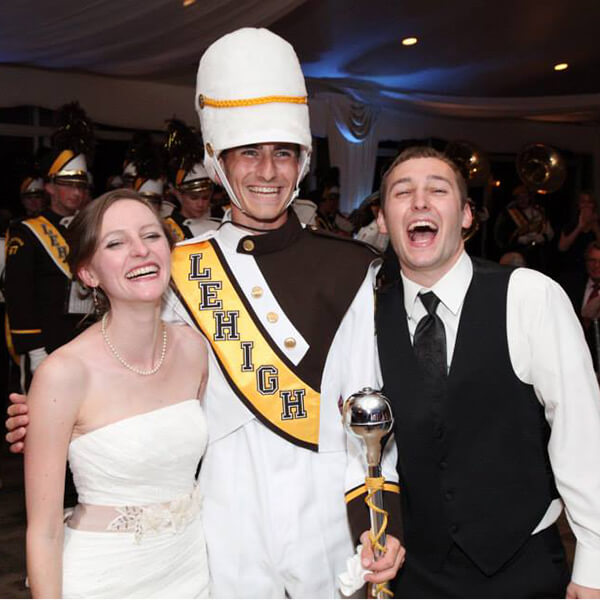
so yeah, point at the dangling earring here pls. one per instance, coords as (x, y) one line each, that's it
(96, 300)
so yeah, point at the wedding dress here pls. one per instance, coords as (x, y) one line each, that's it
(138, 529)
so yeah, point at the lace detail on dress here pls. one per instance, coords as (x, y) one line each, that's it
(157, 518)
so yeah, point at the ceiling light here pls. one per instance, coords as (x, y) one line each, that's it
(409, 41)
(188, 2)
(561, 67)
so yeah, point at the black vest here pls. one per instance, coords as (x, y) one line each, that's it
(473, 459)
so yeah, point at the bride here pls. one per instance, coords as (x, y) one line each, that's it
(121, 403)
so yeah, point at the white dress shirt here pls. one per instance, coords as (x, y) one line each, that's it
(548, 351)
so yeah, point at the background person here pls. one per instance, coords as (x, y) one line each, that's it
(43, 305)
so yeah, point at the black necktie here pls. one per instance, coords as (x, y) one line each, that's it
(430, 340)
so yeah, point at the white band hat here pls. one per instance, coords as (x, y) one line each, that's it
(250, 90)
(195, 179)
(32, 186)
(152, 189)
(69, 167)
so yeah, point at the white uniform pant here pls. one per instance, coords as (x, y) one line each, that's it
(274, 517)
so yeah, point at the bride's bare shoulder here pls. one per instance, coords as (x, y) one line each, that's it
(70, 365)
(189, 339)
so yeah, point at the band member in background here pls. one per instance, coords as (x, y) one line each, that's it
(523, 227)
(190, 183)
(43, 304)
(33, 196)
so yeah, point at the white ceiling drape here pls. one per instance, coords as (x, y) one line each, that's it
(127, 39)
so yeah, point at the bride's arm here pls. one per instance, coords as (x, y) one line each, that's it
(53, 399)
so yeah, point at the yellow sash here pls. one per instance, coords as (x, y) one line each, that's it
(259, 373)
(52, 240)
(175, 230)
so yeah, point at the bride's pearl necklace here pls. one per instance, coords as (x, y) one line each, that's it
(158, 365)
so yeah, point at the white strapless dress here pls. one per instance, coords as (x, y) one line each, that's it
(152, 544)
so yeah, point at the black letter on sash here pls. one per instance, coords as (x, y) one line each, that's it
(247, 355)
(195, 272)
(267, 380)
(289, 405)
(226, 325)
(208, 294)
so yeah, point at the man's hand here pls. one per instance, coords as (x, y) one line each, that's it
(17, 422)
(386, 567)
(575, 590)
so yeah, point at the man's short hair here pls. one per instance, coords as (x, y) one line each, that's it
(595, 245)
(424, 152)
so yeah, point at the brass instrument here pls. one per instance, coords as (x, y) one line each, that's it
(474, 165)
(541, 168)
(471, 160)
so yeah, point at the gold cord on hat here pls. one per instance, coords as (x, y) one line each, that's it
(204, 101)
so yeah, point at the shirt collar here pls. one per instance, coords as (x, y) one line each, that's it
(451, 289)
(57, 219)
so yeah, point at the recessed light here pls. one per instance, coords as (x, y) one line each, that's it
(409, 41)
(188, 2)
(561, 67)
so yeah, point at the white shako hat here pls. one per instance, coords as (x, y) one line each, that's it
(129, 171)
(195, 179)
(68, 167)
(250, 90)
(32, 186)
(152, 189)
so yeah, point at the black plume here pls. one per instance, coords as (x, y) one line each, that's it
(146, 156)
(74, 130)
(183, 147)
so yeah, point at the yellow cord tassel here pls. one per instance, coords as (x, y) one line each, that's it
(374, 485)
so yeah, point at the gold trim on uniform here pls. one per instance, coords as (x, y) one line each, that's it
(26, 331)
(266, 383)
